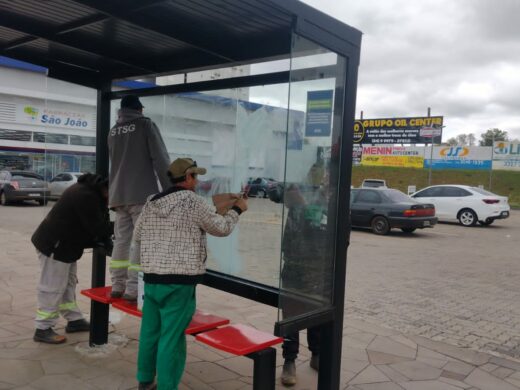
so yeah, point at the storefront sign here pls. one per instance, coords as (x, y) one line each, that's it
(71, 119)
(416, 130)
(318, 120)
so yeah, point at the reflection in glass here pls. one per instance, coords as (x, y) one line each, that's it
(239, 136)
(310, 186)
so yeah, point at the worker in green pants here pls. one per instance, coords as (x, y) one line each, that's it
(167, 312)
(169, 242)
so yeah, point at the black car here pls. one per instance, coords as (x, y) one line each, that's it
(382, 209)
(16, 186)
(259, 186)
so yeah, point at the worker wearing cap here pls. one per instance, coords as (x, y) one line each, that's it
(170, 244)
(138, 160)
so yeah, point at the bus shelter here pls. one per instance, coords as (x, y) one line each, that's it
(275, 118)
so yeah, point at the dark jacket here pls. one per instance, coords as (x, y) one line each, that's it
(79, 220)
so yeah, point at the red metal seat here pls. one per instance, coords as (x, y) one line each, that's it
(100, 294)
(128, 307)
(238, 339)
(200, 321)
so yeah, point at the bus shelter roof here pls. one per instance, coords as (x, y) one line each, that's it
(92, 42)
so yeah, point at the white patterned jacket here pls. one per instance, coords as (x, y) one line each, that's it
(170, 236)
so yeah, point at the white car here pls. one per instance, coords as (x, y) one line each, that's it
(466, 204)
(61, 182)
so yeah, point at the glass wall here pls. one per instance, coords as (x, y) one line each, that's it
(311, 177)
(239, 136)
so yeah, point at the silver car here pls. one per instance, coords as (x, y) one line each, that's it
(17, 186)
(61, 182)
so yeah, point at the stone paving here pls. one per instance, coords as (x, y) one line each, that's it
(452, 284)
(374, 355)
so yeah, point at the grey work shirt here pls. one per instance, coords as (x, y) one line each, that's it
(138, 157)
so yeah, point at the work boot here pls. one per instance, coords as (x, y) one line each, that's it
(48, 336)
(81, 325)
(315, 362)
(116, 293)
(289, 373)
(147, 386)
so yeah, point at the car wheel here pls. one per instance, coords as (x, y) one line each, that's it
(380, 225)
(3, 199)
(408, 230)
(467, 217)
(487, 222)
(43, 202)
(261, 194)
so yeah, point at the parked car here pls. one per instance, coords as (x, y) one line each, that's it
(465, 204)
(382, 209)
(373, 183)
(17, 186)
(259, 186)
(61, 182)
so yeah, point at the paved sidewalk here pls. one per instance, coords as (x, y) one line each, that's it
(374, 358)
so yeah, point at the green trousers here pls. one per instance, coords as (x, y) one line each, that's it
(167, 312)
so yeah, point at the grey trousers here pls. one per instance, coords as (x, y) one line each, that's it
(56, 292)
(122, 272)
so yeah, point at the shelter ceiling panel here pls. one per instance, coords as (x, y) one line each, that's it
(53, 12)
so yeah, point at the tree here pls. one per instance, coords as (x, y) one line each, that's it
(472, 140)
(491, 135)
(462, 140)
(452, 141)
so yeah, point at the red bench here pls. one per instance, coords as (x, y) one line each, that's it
(200, 321)
(239, 339)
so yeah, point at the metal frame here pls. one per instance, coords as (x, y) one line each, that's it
(330, 319)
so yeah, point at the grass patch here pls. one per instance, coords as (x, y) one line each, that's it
(506, 183)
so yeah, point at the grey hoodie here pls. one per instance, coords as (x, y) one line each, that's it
(138, 157)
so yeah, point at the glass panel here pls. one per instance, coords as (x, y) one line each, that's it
(239, 136)
(312, 171)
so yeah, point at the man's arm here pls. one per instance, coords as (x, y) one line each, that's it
(159, 155)
(216, 224)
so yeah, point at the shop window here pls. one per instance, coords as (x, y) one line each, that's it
(15, 135)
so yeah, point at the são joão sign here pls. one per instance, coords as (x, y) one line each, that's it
(415, 130)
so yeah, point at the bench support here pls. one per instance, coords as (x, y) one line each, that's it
(98, 323)
(98, 311)
(264, 372)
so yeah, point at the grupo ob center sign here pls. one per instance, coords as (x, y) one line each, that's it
(413, 130)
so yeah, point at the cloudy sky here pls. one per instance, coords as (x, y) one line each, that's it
(461, 58)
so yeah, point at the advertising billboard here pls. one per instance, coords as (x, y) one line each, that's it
(459, 157)
(506, 155)
(414, 130)
(319, 113)
(392, 156)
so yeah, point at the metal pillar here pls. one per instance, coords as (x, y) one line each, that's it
(264, 371)
(99, 311)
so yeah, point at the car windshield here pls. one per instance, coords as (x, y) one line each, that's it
(398, 196)
(26, 175)
(373, 184)
(482, 191)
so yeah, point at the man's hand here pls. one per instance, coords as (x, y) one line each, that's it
(242, 204)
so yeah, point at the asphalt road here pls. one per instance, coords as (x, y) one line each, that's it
(450, 283)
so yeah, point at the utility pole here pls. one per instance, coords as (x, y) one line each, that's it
(431, 154)
(492, 156)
